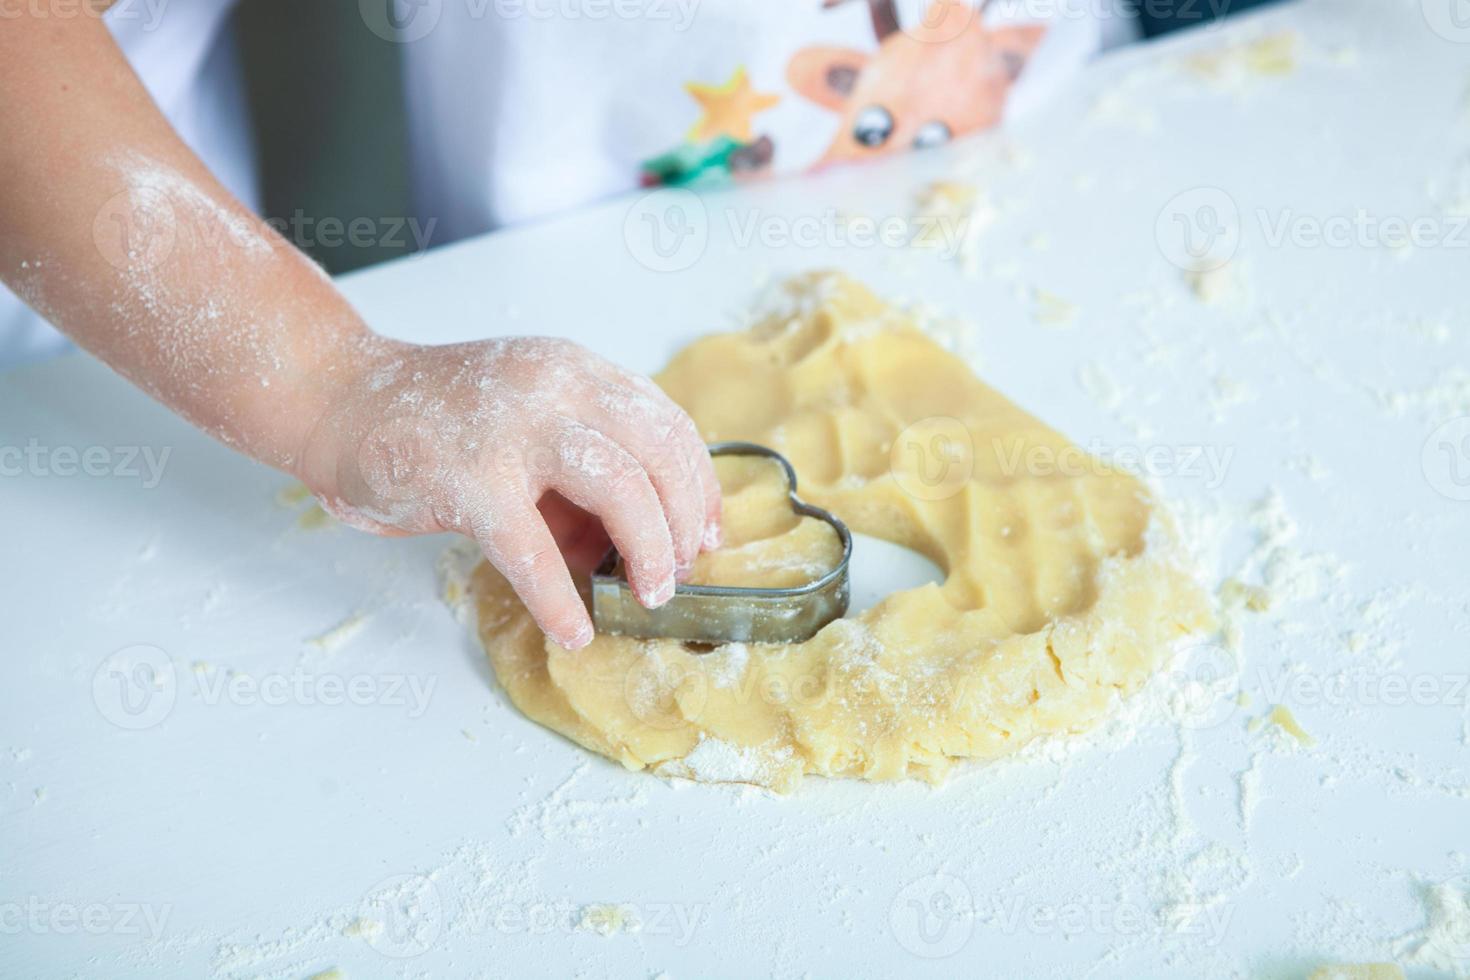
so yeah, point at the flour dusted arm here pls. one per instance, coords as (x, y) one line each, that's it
(116, 233)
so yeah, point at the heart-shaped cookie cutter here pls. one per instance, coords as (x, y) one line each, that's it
(717, 614)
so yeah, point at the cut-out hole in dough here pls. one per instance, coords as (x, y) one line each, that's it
(880, 568)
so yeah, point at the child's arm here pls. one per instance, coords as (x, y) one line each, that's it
(116, 233)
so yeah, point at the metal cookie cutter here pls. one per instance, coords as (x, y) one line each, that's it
(718, 614)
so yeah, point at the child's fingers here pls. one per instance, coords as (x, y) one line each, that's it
(604, 479)
(706, 490)
(713, 512)
(518, 543)
(714, 506)
(578, 534)
(663, 440)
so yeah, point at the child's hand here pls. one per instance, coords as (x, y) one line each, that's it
(528, 446)
(472, 437)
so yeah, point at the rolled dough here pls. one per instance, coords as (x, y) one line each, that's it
(1064, 588)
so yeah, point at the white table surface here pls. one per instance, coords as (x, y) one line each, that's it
(219, 833)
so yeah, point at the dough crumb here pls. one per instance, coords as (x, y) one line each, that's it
(1358, 971)
(1050, 310)
(292, 495)
(340, 635)
(1235, 594)
(1282, 718)
(315, 518)
(609, 919)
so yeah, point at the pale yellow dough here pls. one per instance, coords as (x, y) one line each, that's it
(1065, 587)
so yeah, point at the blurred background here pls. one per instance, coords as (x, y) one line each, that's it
(326, 102)
(328, 112)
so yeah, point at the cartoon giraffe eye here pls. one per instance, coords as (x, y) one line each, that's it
(873, 126)
(931, 134)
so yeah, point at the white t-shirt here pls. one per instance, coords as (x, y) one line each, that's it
(522, 108)
(187, 62)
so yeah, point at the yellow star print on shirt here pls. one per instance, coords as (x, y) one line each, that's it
(728, 108)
